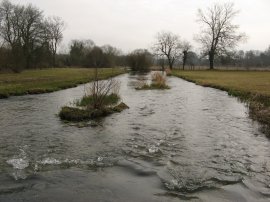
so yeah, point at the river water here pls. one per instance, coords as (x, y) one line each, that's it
(187, 143)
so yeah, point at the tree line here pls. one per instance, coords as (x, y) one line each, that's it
(245, 59)
(86, 53)
(29, 39)
(238, 59)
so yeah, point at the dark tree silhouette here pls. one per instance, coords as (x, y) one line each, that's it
(219, 34)
(185, 47)
(169, 45)
(140, 60)
(54, 27)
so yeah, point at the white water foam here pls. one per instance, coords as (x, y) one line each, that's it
(50, 161)
(19, 163)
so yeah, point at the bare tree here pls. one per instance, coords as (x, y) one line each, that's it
(10, 16)
(218, 34)
(169, 45)
(55, 27)
(31, 30)
(8, 26)
(186, 46)
(29, 38)
(22, 29)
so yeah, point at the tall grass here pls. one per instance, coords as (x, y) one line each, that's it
(158, 81)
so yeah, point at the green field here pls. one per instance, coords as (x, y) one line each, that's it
(256, 82)
(250, 86)
(49, 80)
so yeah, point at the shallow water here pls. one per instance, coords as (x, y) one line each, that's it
(187, 143)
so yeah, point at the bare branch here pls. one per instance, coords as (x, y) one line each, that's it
(218, 34)
(169, 45)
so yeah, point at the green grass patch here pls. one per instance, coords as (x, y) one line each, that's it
(256, 82)
(49, 80)
(111, 99)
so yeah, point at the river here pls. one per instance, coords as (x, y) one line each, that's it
(189, 143)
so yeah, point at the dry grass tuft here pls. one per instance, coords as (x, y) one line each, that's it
(158, 82)
(168, 72)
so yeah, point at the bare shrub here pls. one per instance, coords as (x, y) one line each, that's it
(158, 78)
(101, 90)
(168, 72)
(141, 84)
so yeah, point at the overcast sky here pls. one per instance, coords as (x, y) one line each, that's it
(131, 24)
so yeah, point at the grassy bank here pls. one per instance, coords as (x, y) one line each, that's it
(49, 80)
(250, 86)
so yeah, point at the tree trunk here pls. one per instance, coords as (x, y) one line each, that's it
(54, 54)
(170, 61)
(54, 63)
(163, 65)
(184, 59)
(170, 65)
(54, 59)
(211, 59)
(184, 63)
(28, 61)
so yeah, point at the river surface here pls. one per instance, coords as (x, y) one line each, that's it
(189, 143)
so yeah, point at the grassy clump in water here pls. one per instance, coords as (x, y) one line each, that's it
(153, 86)
(158, 82)
(74, 114)
(77, 114)
(88, 100)
(119, 108)
(100, 100)
(168, 72)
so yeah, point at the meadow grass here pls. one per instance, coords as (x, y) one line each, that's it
(49, 80)
(256, 82)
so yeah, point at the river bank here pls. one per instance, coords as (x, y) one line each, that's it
(252, 87)
(49, 80)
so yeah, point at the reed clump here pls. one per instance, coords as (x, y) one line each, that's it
(158, 82)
